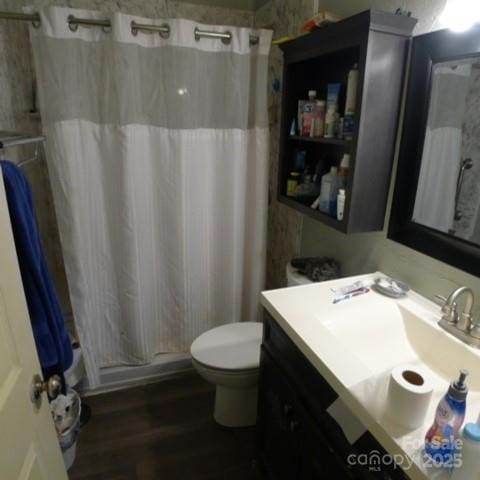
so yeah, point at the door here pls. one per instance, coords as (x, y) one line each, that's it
(29, 448)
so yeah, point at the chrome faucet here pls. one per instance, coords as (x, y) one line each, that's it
(461, 326)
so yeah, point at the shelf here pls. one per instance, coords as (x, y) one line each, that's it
(11, 139)
(316, 214)
(328, 141)
(378, 43)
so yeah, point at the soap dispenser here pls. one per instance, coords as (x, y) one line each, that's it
(449, 417)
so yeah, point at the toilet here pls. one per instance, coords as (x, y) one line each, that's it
(294, 277)
(229, 357)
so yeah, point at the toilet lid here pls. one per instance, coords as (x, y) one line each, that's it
(235, 346)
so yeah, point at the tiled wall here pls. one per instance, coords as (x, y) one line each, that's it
(16, 80)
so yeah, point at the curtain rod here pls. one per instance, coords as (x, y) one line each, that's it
(163, 30)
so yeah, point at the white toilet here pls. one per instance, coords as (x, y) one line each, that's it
(294, 278)
(229, 357)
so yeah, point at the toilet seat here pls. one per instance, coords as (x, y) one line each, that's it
(232, 347)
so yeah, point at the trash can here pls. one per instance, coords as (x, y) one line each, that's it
(66, 410)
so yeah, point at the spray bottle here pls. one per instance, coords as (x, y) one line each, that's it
(449, 417)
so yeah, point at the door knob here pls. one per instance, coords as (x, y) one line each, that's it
(53, 387)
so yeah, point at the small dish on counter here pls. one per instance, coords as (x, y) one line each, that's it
(390, 287)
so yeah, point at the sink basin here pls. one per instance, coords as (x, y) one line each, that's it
(356, 343)
(382, 334)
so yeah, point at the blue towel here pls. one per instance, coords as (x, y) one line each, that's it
(51, 338)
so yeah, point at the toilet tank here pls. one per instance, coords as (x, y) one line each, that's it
(294, 278)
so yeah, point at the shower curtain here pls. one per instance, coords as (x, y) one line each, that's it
(437, 183)
(157, 151)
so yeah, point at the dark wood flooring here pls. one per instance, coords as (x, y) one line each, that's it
(162, 431)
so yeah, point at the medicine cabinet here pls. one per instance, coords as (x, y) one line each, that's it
(378, 43)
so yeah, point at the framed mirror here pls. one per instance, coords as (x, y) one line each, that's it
(436, 204)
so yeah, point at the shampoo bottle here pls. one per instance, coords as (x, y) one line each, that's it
(328, 192)
(449, 417)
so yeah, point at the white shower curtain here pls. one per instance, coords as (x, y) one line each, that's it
(157, 151)
(442, 150)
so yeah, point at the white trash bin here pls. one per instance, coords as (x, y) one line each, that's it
(66, 410)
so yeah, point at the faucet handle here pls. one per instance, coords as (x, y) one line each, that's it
(449, 310)
(475, 330)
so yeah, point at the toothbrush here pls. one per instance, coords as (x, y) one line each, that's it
(353, 293)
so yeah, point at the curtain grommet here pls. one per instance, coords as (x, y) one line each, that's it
(72, 26)
(133, 28)
(166, 33)
(227, 40)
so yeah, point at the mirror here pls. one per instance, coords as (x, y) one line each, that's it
(436, 203)
(448, 191)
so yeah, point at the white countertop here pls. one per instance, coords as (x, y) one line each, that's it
(300, 310)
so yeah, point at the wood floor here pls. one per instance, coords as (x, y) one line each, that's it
(162, 431)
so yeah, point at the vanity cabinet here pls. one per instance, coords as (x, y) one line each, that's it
(378, 43)
(296, 437)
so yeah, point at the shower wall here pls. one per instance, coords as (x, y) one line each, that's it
(16, 98)
(16, 102)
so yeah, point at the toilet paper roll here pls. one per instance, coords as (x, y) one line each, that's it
(409, 395)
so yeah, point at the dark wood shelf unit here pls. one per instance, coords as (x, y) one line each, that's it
(305, 208)
(378, 42)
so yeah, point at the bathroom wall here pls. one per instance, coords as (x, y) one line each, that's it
(16, 79)
(285, 17)
(361, 253)
(285, 226)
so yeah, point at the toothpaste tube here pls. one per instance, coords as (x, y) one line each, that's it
(354, 293)
(348, 288)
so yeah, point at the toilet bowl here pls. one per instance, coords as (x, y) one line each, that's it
(229, 357)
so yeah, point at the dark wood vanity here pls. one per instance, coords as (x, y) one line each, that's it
(297, 439)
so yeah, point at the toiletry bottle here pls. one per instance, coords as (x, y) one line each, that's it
(299, 160)
(333, 92)
(292, 184)
(348, 127)
(331, 121)
(308, 114)
(319, 129)
(293, 128)
(328, 192)
(343, 170)
(469, 466)
(340, 203)
(449, 417)
(301, 103)
(351, 91)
